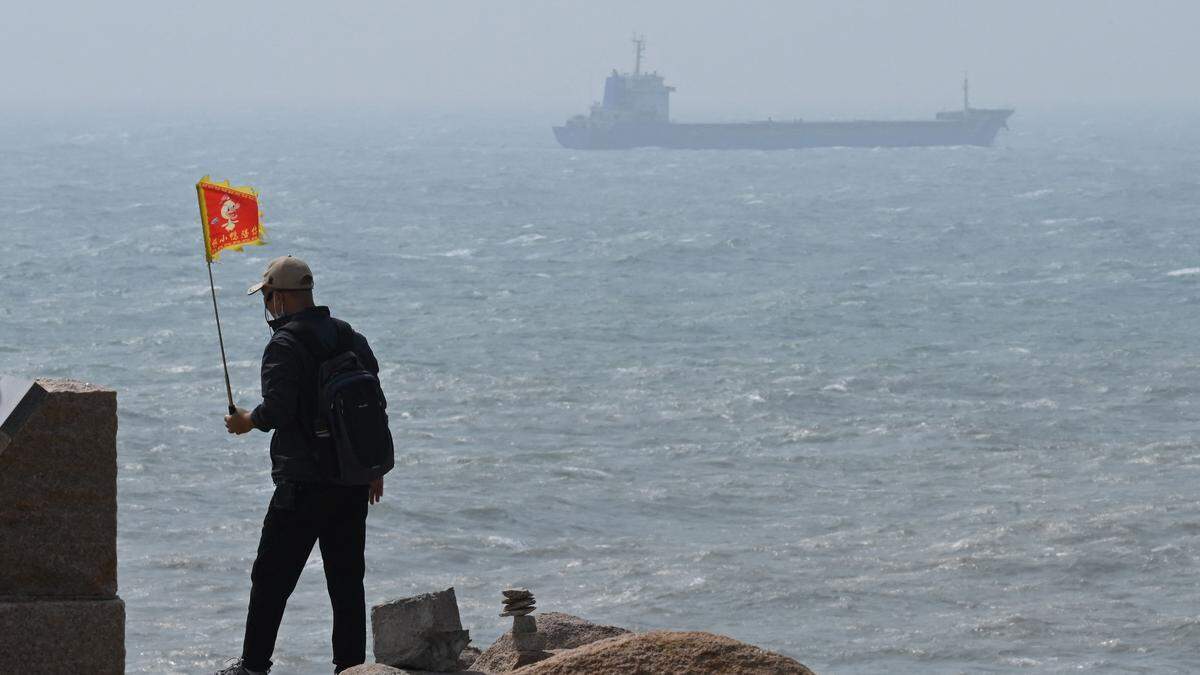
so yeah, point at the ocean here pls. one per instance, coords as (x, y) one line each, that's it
(899, 410)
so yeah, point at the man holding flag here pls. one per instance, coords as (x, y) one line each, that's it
(317, 498)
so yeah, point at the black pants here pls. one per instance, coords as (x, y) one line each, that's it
(299, 516)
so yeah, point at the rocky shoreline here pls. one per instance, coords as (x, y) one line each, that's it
(423, 635)
(58, 459)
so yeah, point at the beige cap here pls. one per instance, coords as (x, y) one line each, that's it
(285, 273)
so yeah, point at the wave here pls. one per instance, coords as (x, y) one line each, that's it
(1035, 194)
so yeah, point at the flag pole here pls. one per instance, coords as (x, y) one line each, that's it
(220, 338)
(212, 287)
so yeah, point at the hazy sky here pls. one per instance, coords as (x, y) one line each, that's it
(750, 58)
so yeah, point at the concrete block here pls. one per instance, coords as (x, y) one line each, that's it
(58, 491)
(18, 398)
(423, 632)
(62, 637)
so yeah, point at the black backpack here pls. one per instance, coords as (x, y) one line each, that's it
(350, 421)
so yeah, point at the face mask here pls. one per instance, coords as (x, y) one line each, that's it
(269, 313)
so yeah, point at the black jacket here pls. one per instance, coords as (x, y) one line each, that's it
(289, 390)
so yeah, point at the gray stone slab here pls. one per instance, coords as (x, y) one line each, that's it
(58, 495)
(520, 604)
(423, 632)
(62, 637)
(524, 624)
(528, 642)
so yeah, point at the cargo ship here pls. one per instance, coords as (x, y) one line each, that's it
(635, 112)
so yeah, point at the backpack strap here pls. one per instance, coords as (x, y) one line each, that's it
(345, 337)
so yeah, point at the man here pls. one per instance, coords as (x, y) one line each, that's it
(306, 507)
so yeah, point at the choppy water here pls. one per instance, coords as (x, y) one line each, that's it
(909, 410)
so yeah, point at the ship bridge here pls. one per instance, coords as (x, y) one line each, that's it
(636, 96)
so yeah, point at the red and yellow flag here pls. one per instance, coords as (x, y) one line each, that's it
(231, 217)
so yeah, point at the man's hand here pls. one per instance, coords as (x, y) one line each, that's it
(239, 422)
(375, 493)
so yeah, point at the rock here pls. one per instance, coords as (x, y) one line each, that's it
(524, 624)
(519, 604)
(528, 658)
(381, 669)
(468, 656)
(64, 637)
(558, 631)
(58, 491)
(668, 652)
(514, 593)
(373, 669)
(422, 633)
(528, 642)
(518, 612)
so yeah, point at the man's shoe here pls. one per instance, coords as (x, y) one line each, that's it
(235, 667)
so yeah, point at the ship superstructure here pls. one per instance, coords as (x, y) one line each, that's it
(636, 112)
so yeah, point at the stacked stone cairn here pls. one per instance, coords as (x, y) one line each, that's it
(519, 603)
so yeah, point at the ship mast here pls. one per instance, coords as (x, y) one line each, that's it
(639, 43)
(966, 93)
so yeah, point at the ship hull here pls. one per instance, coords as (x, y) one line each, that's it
(976, 129)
